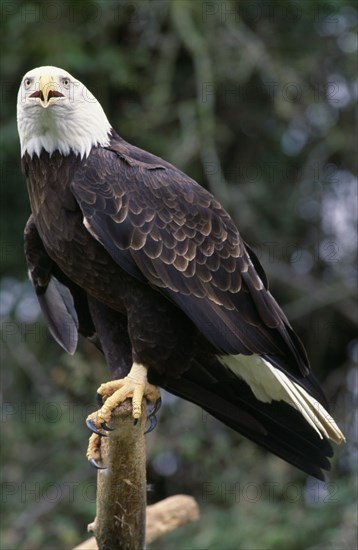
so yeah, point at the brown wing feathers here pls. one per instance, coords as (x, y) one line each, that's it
(160, 225)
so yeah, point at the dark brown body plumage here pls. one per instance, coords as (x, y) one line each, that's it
(156, 327)
(153, 269)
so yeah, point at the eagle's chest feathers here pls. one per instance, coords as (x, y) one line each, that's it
(59, 222)
(54, 208)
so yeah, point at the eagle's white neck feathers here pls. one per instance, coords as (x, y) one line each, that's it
(74, 122)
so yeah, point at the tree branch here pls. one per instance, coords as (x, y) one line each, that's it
(195, 43)
(121, 492)
(122, 487)
(162, 517)
(169, 514)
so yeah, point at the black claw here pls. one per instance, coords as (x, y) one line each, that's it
(96, 465)
(93, 428)
(156, 407)
(152, 418)
(99, 400)
(105, 427)
(135, 421)
(152, 423)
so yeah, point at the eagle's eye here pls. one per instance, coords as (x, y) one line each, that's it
(66, 82)
(27, 83)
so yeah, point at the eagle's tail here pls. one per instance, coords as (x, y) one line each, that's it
(268, 384)
(257, 400)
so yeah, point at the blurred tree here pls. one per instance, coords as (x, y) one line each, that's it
(255, 100)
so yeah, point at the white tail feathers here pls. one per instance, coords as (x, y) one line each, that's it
(270, 384)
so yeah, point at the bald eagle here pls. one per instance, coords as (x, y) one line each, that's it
(127, 250)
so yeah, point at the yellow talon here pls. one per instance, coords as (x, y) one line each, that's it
(135, 385)
(94, 448)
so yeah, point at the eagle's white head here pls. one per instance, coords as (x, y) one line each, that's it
(57, 112)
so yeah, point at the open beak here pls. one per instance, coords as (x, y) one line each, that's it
(47, 92)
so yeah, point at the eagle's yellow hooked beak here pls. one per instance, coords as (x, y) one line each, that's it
(48, 91)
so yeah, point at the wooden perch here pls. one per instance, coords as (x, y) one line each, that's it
(122, 487)
(162, 517)
(168, 514)
(121, 521)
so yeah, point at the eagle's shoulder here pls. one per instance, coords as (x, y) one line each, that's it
(135, 156)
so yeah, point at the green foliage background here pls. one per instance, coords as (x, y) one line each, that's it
(255, 100)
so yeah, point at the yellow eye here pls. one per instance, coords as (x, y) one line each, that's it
(27, 82)
(66, 82)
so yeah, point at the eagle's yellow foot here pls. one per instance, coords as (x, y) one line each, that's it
(135, 385)
(94, 451)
